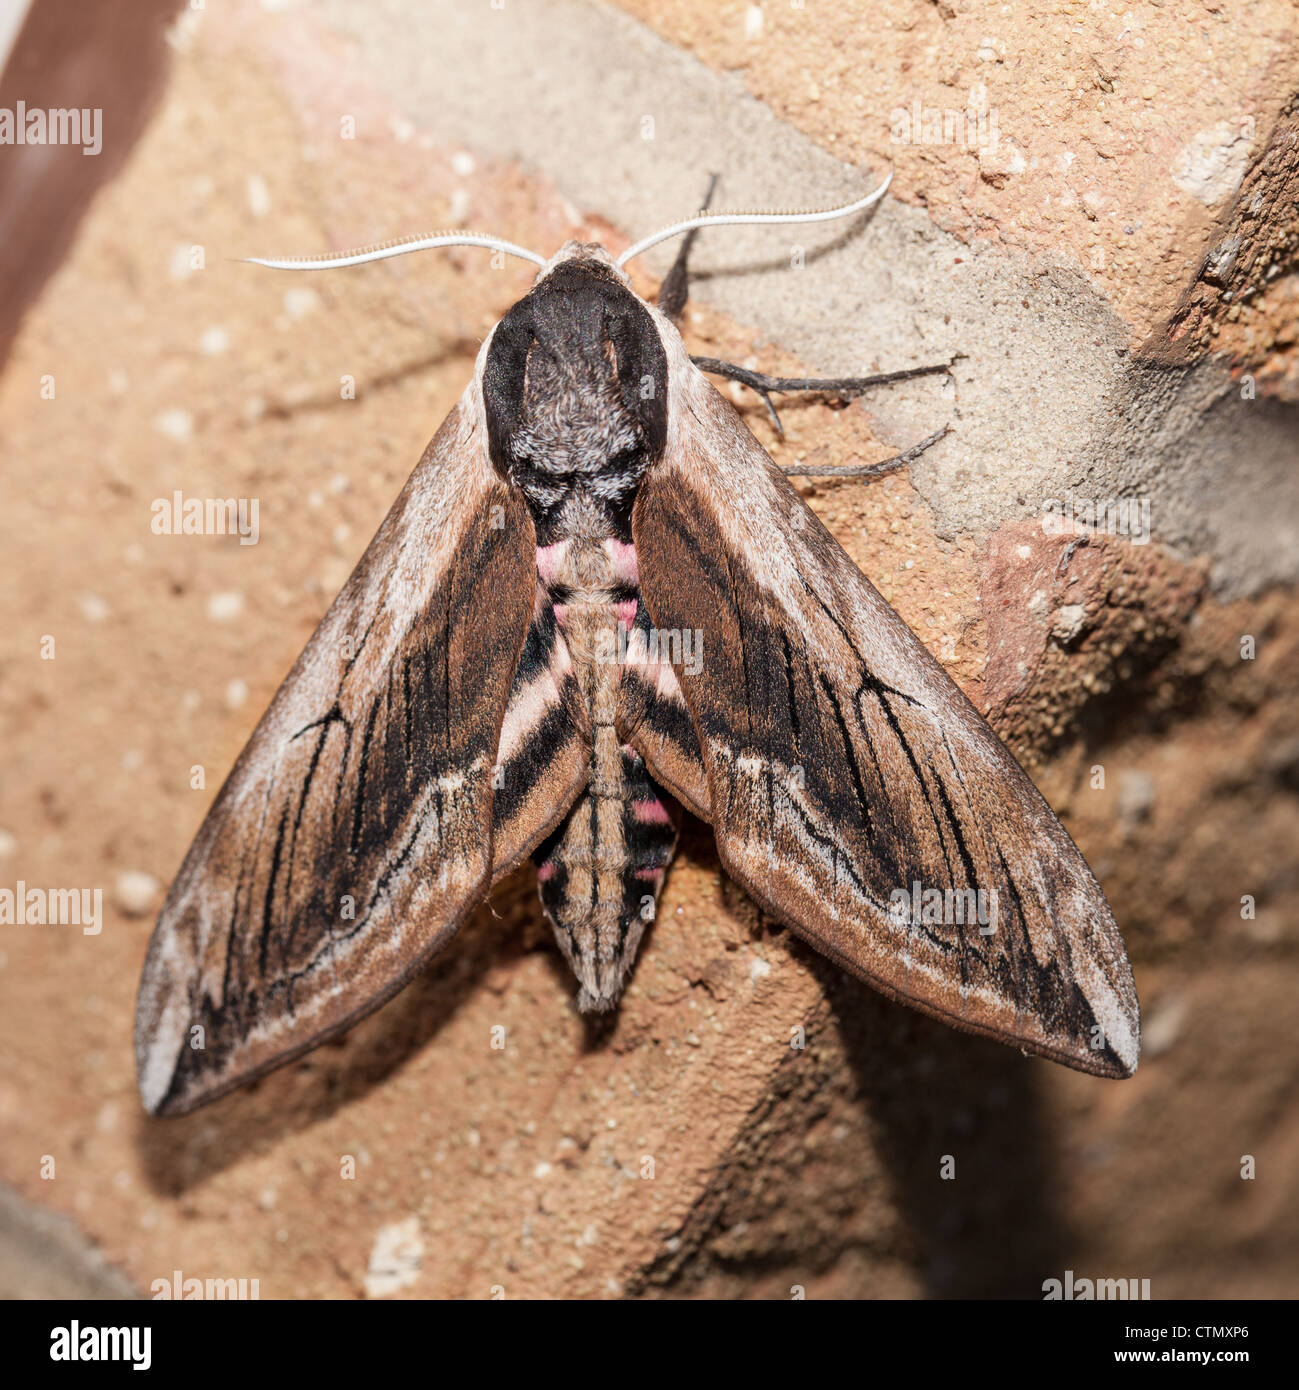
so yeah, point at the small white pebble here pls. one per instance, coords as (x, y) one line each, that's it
(214, 341)
(259, 197)
(395, 1259)
(222, 607)
(8, 844)
(181, 32)
(1162, 1026)
(1136, 795)
(93, 608)
(135, 891)
(300, 302)
(175, 424)
(236, 694)
(180, 265)
(463, 164)
(1069, 621)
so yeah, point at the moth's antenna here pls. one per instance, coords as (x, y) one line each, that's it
(724, 219)
(330, 260)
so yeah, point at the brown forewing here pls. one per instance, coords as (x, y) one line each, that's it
(654, 718)
(354, 832)
(544, 759)
(844, 765)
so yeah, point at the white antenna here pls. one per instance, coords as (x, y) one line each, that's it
(724, 219)
(330, 260)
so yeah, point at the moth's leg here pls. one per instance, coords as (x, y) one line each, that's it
(866, 470)
(676, 286)
(838, 385)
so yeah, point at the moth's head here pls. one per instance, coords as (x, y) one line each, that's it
(575, 377)
(575, 386)
(588, 253)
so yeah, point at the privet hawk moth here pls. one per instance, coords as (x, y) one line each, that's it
(595, 601)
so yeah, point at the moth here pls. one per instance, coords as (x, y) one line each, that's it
(596, 601)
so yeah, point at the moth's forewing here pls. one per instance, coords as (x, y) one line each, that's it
(355, 831)
(847, 774)
(653, 716)
(544, 759)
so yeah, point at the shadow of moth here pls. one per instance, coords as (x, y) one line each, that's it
(595, 601)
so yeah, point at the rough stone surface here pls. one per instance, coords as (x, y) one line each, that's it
(687, 1149)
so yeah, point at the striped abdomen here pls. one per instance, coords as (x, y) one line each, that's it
(601, 870)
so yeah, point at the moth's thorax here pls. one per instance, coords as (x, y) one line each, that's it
(574, 388)
(593, 584)
(576, 454)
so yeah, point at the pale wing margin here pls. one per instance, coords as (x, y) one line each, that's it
(355, 831)
(844, 764)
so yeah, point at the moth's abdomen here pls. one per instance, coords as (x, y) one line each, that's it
(601, 870)
(600, 874)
